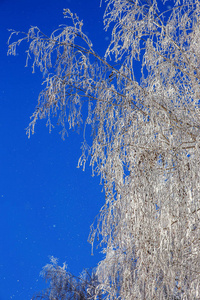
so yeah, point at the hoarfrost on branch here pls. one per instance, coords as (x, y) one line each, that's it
(145, 138)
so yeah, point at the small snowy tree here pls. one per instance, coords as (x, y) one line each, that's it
(146, 140)
(63, 285)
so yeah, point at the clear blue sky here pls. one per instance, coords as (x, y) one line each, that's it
(46, 203)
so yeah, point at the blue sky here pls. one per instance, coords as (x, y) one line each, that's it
(46, 204)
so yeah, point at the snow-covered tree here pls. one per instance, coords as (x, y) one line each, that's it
(145, 128)
(64, 286)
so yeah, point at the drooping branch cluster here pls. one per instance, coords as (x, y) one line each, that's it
(145, 138)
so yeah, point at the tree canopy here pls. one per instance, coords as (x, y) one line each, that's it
(63, 285)
(145, 137)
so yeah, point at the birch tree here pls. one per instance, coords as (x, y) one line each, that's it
(63, 285)
(145, 137)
